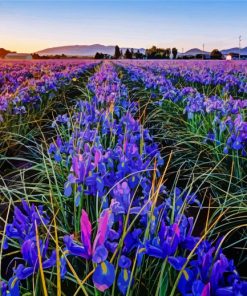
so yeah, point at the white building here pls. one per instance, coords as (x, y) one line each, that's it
(228, 57)
(18, 56)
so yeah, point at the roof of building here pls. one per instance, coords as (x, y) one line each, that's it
(18, 54)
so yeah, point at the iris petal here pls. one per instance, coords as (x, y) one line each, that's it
(104, 276)
(86, 230)
(124, 280)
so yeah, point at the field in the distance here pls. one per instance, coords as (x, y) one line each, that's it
(123, 177)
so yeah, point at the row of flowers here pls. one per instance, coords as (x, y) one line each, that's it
(228, 77)
(28, 84)
(114, 178)
(229, 114)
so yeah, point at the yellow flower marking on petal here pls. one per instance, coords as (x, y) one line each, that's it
(13, 283)
(126, 276)
(111, 109)
(104, 267)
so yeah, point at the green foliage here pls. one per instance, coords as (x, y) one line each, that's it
(158, 53)
(174, 53)
(216, 54)
(117, 53)
(128, 54)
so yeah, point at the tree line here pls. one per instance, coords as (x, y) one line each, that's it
(156, 53)
(151, 53)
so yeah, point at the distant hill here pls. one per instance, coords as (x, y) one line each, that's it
(193, 52)
(4, 52)
(243, 51)
(90, 51)
(83, 50)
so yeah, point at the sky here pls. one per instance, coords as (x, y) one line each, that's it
(29, 26)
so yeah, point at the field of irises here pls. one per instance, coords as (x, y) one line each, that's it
(123, 178)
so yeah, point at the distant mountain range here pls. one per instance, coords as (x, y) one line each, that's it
(243, 51)
(196, 51)
(83, 50)
(90, 50)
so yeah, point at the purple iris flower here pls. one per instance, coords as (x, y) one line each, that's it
(30, 255)
(124, 277)
(23, 229)
(121, 193)
(104, 273)
(13, 287)
(23, 225)
(167, 242)
(132, 240)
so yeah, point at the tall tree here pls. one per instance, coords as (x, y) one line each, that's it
(139, 55)
(174, 53)
(132, 53)
(117, 54)
(216, 54)
(128, 54)
(151, 52)
(99, 55)
(167, 53)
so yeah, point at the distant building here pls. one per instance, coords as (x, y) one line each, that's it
(228, 57)
(18, 56)
(235, 56)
